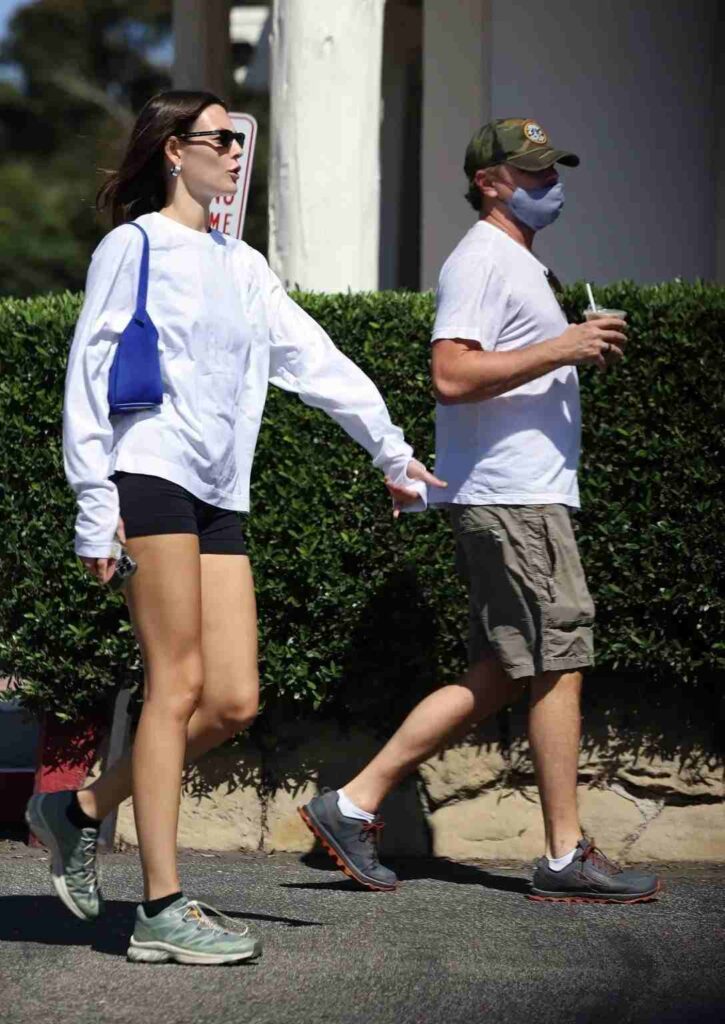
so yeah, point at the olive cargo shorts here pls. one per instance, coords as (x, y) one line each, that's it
(528, 598)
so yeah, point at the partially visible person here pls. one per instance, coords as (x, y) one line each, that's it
(507, 441)
(171, 481)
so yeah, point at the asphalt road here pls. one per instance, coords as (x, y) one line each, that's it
(457, 944)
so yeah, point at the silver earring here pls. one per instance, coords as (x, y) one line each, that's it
(176, 170)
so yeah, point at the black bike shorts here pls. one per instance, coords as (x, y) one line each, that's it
(151, 505)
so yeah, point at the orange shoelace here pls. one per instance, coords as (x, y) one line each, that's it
(600, 860)
(371, 829)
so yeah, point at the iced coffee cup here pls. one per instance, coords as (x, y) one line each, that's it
(597, 314)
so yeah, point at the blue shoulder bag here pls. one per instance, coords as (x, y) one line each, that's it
(134, 381)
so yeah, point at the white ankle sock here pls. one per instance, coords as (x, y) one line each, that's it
(559, 863)
(351, 810)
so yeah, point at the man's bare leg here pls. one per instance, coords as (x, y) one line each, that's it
(589, 876)
(482, 690)
(345, 824)
(554, 736)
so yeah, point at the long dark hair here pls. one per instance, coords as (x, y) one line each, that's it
(139, 185)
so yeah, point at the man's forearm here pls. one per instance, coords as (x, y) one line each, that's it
(475, 376)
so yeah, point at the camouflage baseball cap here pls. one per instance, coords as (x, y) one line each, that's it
(518, 141)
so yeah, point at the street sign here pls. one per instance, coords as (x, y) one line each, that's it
(226, 213)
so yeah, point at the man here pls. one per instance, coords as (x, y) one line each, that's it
(507, 442)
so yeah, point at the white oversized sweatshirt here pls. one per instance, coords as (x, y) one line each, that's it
(226, 328)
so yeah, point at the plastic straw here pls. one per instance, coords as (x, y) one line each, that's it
(590, 293)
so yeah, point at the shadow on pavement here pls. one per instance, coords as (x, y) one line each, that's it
(346, 886)
(291, 922)
(16, 832)
(44, 919)
(438, 869)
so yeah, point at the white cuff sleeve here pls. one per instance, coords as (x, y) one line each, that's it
(398, 475)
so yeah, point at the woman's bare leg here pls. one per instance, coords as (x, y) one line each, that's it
(230, 693)
(164, 599)
(229, 645)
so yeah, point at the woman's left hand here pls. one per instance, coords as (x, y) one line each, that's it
(403, 496)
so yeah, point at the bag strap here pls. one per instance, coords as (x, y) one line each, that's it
(143, 279)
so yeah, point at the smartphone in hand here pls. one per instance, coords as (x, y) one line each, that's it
(125, 568)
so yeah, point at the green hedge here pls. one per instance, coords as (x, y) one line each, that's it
(356, 612)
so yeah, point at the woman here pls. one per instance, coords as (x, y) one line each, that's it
(176, 477)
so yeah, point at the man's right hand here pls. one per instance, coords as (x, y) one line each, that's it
(598, 341)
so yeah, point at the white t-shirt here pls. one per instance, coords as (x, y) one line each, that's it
(522, 447)
(226, 330)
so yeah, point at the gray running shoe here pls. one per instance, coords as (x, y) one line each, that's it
(592, 878)
(351, 843)
(73, 868)
(183, 933)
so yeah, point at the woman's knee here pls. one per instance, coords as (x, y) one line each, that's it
(176, 689)
(235, 714)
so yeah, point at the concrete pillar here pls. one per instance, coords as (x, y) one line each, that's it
(456, 101)
(718, 120)
(202, 49)
(324, 187)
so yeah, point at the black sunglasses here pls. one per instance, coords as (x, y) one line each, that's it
(225, 137)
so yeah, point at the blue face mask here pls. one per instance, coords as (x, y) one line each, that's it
(537, 207)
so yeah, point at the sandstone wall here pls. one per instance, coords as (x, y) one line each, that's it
(641, 800)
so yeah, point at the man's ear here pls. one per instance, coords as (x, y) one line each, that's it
(485, 183)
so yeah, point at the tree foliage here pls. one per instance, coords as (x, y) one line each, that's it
(77, 73)
(81, 68)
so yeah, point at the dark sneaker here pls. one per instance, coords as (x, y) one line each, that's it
(351, 843)
(183, 933)
(592, 878)
(73, 869)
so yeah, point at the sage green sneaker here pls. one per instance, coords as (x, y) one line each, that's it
(183, 933)
(73, 868)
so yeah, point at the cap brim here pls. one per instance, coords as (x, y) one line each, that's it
(540, 159)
